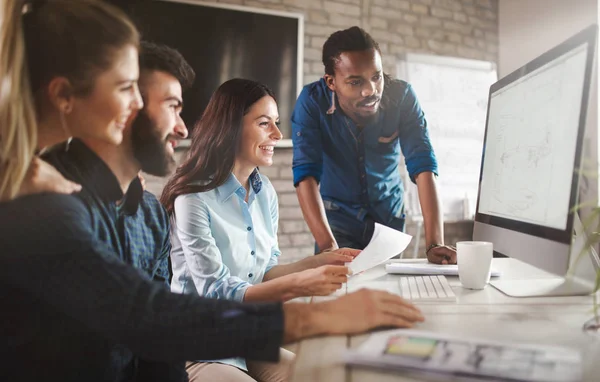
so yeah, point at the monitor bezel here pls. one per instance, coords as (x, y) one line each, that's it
(587, 36)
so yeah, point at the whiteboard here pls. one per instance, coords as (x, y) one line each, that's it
(453, 93)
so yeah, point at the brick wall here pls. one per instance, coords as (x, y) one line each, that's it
(460, 28)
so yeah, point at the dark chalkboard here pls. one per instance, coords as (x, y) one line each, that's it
(222, 42)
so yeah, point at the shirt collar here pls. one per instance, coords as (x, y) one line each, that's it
(99, 178)
(232, 185)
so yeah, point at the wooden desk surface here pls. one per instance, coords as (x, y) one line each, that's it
(485, 314)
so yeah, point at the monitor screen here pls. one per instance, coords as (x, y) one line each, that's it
(530, 180)
(531, 140)
(222, 42)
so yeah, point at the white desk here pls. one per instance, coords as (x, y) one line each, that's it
(486, 314)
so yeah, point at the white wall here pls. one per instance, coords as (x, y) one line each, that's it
(527, 28)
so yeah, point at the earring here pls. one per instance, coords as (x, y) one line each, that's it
(63, 123)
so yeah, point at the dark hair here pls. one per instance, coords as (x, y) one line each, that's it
(348, 40)
(215, 140)
(166, 59)
(74, 39)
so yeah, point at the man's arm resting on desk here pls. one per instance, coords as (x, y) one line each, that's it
(433, 221)
(350, 314)
(114, 299)
(314, 213)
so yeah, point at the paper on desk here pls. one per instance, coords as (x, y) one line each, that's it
(385, 244)
(425, 268)
(468, 357)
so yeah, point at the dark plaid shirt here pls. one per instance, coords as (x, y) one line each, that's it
(134, 225)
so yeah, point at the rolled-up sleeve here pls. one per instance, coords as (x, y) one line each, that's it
(414, 137)
(212, 278)
(306, 138)
(274, 209)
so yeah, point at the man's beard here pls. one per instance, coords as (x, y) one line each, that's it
(149, 147)
(369, 118)
(365, 120)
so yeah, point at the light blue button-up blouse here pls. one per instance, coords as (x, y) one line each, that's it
(221, 245)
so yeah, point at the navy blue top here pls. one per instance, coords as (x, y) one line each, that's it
(67, 299)
(358, 168)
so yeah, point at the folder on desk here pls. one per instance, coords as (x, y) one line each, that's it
(427, 269)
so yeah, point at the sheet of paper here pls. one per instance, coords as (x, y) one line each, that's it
(427, 269)
(385, 244)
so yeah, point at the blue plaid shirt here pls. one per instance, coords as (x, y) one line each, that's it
(358, 168)
(135, 226)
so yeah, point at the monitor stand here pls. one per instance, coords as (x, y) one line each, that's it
(559, 286)
(579, 280)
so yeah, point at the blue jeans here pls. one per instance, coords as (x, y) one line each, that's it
(351, 232)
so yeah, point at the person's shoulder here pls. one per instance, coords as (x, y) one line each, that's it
(398, 92)
(44, 218)
(46, 205)
(194, 199)
(150, 200)
(313, 102)
(58, 157)
(56, 153)
(316, 92)
(396, 88)
(151, 203)
(316, 88)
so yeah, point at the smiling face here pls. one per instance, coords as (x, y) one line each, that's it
(102, 114)
(158, 127)
(358, 84)
(260, 134)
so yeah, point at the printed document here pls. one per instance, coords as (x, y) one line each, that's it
(440, 353)
(385, 244)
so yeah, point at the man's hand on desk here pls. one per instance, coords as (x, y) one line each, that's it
(368, 309)
(338, 256)
(353, 313)
(442, 254)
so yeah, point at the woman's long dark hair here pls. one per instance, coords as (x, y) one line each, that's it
(215, 140)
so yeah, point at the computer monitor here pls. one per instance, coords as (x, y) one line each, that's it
(530, 169)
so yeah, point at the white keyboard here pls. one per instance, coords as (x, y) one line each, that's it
(433, 288)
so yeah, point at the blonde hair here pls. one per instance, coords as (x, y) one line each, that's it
(74, 39)
(18, 127)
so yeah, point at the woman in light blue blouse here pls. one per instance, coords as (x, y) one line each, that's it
(225, 213)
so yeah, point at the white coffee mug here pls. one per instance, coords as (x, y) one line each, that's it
(474, 259)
